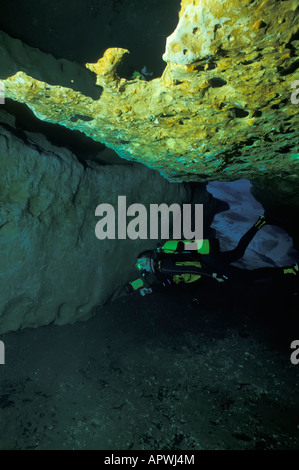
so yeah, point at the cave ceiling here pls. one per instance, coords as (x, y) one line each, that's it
(222, 108)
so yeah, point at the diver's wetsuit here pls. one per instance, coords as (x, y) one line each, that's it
(219, 263)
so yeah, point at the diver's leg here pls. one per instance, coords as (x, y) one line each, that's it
(234, 273)
(238, 252)
(213, 266)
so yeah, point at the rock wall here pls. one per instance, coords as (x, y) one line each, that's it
(53, 268)
(280, 200)
(15, 56)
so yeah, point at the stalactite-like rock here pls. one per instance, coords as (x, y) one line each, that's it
(106, 68)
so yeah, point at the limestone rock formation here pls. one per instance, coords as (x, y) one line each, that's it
(221, 110)
(106, 68)
(53, 268)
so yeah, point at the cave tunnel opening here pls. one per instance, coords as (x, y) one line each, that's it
(272, 246)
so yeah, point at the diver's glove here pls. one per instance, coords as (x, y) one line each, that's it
(219, 277)
(145, 290)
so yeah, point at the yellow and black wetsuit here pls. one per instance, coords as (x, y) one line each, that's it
(176, 264)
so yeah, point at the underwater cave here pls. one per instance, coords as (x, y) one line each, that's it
(136, 341)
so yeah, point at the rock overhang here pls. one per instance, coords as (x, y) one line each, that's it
(222, 109)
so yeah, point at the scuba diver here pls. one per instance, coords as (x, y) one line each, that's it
(174, 263)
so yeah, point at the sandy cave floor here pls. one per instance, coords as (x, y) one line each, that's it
(161, 372)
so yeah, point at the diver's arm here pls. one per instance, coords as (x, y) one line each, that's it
(142, 284)
(145, 287)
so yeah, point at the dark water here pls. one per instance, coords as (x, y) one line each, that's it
(82, 30)
(162, 372)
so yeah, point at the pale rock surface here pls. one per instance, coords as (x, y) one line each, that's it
(53, 268)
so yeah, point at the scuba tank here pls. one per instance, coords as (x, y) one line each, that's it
(185, 253)
(202, 247)
(188, 248)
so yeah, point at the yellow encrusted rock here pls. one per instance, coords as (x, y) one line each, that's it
(222, 109)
